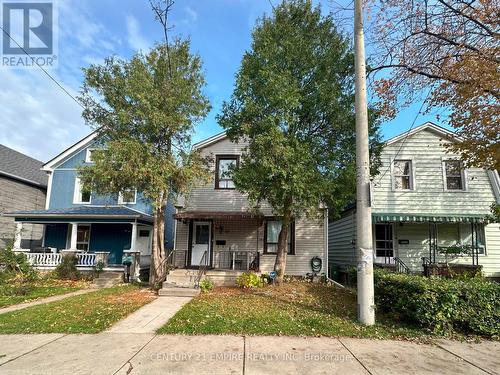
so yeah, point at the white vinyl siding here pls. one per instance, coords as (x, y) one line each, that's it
(342, 241)
(426, 149)
(248, 235)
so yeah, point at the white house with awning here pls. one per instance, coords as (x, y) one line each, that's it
(424, 200)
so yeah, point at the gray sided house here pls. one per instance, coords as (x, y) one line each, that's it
(23, 186)
(92, 225)
(217, 230)
(423, 202)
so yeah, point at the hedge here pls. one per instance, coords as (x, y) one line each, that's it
(441, 305)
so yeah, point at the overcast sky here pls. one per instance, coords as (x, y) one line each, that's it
(39, 119)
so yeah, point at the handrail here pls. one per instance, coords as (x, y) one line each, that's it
(401, 266)
(202, 270)
(425, 261)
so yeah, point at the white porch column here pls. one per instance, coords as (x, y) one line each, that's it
(18, 235)
(133, 240)
(74, 228)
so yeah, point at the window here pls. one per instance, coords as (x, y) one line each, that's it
(202, 234)
(224, 170)
(88, 155)
(271, 233)
(127, 196)
(81, 194)
(384, 244)
(83, 237)
(402, 175)
(454, 175)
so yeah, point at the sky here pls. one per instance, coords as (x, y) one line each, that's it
(39, 119)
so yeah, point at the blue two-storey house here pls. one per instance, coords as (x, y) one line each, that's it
(79, 220)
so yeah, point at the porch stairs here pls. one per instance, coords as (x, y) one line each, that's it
(107, 279)
(182, 282)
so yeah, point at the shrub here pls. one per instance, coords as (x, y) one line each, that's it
(249, 280)
(13, 265)
(67, 270)
(441, 305)
(206, 285)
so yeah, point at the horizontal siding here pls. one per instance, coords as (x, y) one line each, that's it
(17, 196)
(418, 247)
(341, 241)
(426, 149)
(248, 235)
(207, 198)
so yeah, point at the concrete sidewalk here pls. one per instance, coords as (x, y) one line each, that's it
(45, 300)
(143, 353)
(151, 316)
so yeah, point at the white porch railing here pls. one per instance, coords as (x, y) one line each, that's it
(54, 259)
(44, 259)
(86, 259)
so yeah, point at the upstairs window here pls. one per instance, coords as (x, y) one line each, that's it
(402, 174)
(225, 165)
(454, 175)
(88, 155)
(127, 196)
(271, 235)
(81, 195)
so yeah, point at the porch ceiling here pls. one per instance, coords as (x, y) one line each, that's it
(437, 218)
(216, 215)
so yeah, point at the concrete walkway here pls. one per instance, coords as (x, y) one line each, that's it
(143, 353)
(151, 316)
(42, 301)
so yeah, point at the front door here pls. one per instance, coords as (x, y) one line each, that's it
(200, 246)
(384, 243)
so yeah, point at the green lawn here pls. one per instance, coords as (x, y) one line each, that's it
(88, 313)
(295, 309)
(13, 293)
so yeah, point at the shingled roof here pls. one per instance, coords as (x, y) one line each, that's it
(21, 167)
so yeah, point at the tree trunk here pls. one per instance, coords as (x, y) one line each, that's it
(280, 264)
(157, 268)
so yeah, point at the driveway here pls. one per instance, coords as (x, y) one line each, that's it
(143, 353)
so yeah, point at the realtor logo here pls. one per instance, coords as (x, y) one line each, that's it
(28, 34)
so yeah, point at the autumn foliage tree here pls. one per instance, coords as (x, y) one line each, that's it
(452, 49)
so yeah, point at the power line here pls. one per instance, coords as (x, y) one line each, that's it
(43, 70)
(406, 135)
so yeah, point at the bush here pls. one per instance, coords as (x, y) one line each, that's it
(14, 265)
(206, 285)
(67, 270)
(249, 280)
(441, 305)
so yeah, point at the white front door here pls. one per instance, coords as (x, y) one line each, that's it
(143, 241)
(200, 247)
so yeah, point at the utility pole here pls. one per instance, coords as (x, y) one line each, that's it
(366, 300)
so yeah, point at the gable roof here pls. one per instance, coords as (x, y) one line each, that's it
(209, 141)
(21, 167)
(49, 166)
(445, 133)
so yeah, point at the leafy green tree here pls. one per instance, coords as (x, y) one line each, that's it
(145, 109)
(294, 103)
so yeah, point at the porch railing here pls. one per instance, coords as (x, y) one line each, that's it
(234, 260)
(203, 269)
(85, 259)
(54, 259)
(401, 267)
(44, 259)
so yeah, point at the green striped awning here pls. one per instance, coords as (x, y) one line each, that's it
(382, 217)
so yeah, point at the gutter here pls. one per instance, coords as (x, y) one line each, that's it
(28, 181)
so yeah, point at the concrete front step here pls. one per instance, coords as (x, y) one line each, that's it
(178, 292)
(187, 278)
(108, 279)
